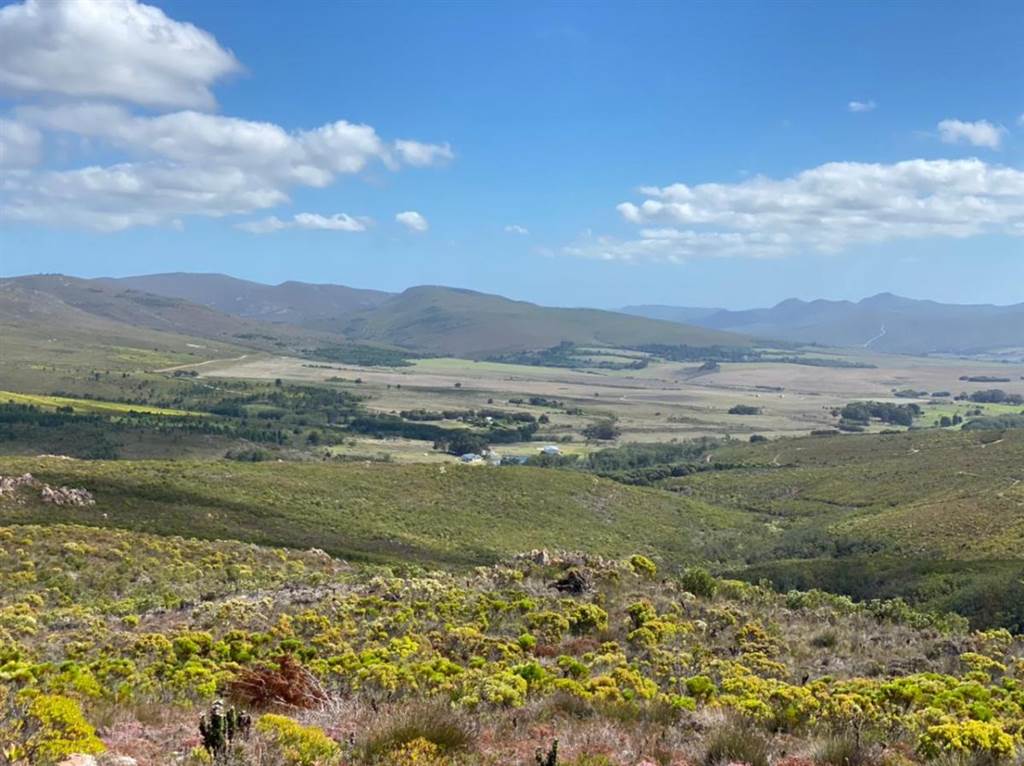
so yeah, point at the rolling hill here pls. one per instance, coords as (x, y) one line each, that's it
(292, 316)
(449, 321)
(884, 322)
(298, 303)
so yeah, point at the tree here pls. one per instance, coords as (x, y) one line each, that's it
(602, 430)
(462, 441)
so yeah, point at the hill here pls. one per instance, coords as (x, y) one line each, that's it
(297, 303)
(427, 320)
(61, 303)
(453, 322)
(933, 516)
(384, 512)
(884, 322)
(117, 641)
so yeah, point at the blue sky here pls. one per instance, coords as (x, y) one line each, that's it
(568, 153)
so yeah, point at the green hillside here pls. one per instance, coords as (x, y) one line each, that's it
(437, 514)
(450, 322)
(115, 643)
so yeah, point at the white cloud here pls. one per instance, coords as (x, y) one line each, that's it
(824, 209)
(413, 220)
(861, 106)
(517, 229)
(980, 133)
(336, 222)
(69, 60)
(179, 164)
(307, 157)
(1020, 120)
(20, 144)
(118, 49)
(423, 155)
(263, 226)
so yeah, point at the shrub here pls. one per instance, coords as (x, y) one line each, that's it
(418, 752)
(744, 409)
(699, 582)
(843, 749)
(286, 683)
(736, 742)
(56, 729)
(642, 566)
(825, 640)
(433, 723)
(966, 737)
(295, 744)
(586, 618)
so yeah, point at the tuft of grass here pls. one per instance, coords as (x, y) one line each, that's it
(845, 749)
(432, 721)
(736, 741)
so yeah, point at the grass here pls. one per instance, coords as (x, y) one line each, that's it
(92, 405)
(442, 514)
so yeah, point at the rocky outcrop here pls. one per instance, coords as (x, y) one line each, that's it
(12, 486)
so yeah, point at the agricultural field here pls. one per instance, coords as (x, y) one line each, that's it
(91, 405)
(664, 401)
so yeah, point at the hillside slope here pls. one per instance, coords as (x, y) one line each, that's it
(335, 663)
(298, 303)
(455, 322)
(883, 322)
(429, 319)
(441, 514)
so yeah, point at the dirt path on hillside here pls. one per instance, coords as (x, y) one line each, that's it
(200, 364)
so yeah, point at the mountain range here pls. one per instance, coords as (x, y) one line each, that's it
(884, 322)
(436, 320)
(293, 316)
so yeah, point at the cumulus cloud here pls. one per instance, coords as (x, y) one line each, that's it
(307, 157)
(423, 155)
(824, 209)
(336, 222)
(517, 229)
(118, 49)
(20, 145)
(980, 133)
(83, 69)
(861, 106)
(412, 220)
(180, 164)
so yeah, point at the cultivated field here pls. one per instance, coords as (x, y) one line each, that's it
(664, 401)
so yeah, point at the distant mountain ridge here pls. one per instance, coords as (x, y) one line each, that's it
(293, 316)
(883, 322)
(290, 302)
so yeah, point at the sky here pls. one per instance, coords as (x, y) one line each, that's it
(568, 153)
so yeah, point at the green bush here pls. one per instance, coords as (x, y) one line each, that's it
(297, 745)
(699, 582)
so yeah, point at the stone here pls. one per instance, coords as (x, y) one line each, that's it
(79, 759)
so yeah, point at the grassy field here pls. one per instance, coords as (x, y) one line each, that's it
(91, 405)
(442, 514)
(812, 505)
(664, 401)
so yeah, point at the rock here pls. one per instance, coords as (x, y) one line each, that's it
(79, 759)
(118, 760)
(66, 496)
(11, 484)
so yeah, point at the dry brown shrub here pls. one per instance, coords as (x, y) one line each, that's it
(284, 684)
